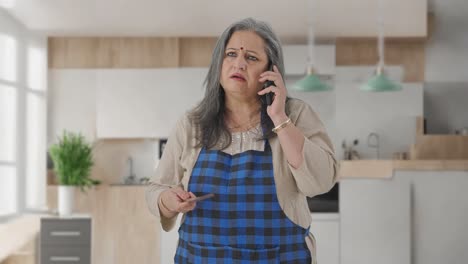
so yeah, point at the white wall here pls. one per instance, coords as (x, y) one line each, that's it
(349, 113)
(392, 115)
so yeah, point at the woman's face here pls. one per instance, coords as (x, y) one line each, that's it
(244, 60)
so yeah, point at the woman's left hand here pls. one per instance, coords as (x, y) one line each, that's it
(276, 110)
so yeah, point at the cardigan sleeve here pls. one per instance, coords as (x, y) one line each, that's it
(318, 172)
(168, 173)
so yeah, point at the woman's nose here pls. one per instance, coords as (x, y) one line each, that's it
(241, 63)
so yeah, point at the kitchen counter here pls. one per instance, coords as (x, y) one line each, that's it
(385, 169)
(126, 185)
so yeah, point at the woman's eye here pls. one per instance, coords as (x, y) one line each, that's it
(252, 58)
(231, 54)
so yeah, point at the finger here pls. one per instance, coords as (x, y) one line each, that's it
(269, 75)
(275, 78)
(190, 195)
(186, 206)
(187, 203)
(275, 69)
(267, 71)
(272, 89)
(264, 91)
(183, 195)
(190, 206)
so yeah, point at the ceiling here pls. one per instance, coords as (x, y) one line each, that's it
(351, 18)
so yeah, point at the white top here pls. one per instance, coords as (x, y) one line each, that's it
(245, 140)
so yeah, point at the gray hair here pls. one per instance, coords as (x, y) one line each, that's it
(208, 115)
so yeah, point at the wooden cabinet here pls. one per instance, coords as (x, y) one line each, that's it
(145, 103)
(124, 231)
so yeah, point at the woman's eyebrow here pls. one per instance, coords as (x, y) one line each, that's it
(251, 51)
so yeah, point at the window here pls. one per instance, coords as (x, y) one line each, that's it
(8, 57)
(23, 93)
(8, 187)
(8, 126)
(35, 151)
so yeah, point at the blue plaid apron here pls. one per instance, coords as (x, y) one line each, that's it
(243, 222)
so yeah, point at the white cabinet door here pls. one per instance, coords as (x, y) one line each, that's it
(375, 221)
(72, 102)
(326, 229)
(147, 103)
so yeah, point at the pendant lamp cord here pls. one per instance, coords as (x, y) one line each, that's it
(311, 38)
(381, 40)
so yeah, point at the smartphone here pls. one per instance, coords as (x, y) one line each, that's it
(268, 97)
(200, 198)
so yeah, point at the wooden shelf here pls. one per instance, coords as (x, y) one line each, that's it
(384, 169)
(438, 147)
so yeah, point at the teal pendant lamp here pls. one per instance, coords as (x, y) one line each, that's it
(311, 82)
(380, 82)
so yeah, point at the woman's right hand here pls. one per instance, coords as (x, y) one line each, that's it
(174, 201)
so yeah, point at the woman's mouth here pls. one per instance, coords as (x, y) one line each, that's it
(238, 77)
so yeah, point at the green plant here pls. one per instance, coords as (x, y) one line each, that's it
(73, 159)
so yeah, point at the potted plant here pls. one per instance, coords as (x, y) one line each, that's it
(73, 159)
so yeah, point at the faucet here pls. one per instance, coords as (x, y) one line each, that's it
(374, 142)
(130, 178)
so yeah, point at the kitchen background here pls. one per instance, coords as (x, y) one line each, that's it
(125, 93)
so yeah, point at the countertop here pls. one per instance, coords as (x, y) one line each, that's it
(385, 168)
(126, 184)
(17, 233)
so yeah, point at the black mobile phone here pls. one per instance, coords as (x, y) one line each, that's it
(268, 97)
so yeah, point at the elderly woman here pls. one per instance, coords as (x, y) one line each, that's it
(260, 160)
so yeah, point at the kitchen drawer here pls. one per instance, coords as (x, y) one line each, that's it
(65, 255)
(65, 232)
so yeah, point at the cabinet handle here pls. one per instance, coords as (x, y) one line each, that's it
(59, 258)
(65, 233)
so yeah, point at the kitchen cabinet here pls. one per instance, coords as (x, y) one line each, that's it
(72, 102)
(123, 230)
(375, 221)
(145, 103)
(326, 230)
(65, 240)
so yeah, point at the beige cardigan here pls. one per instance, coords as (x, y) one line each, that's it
(316, 175)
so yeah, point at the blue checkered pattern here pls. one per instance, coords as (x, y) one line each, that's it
(243, 223)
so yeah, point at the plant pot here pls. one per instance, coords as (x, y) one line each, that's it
(66, 199)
